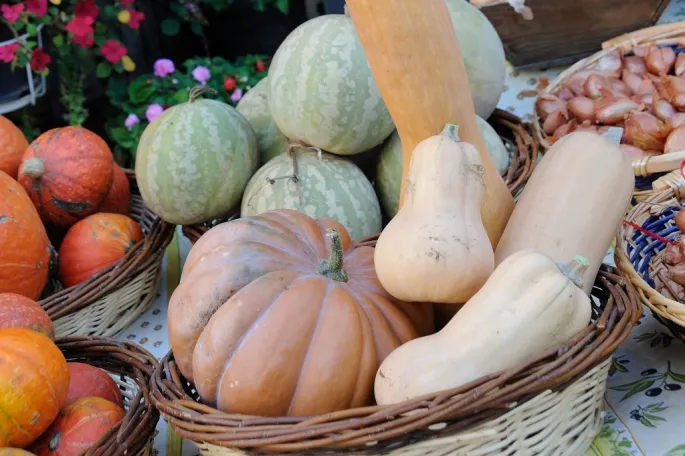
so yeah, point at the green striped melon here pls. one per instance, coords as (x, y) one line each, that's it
(194, 161)
(254, 106)
(389, 168)
(327, 185)
(322, 92)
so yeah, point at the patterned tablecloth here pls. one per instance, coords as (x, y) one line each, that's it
(646, 388)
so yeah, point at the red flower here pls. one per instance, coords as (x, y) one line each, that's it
(260, 66)
(86, 8)
(113, 51)
(11, 12)
(8, 52)
(81, 26)
(229, 84)
(86, 42)
(40, 60)
(37, 7)
(136, 18)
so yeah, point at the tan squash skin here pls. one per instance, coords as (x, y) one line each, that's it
(435, 249)
(526, 307)
(573, 203)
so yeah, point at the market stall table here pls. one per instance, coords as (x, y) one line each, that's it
(645, 396)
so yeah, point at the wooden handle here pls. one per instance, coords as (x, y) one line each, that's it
(632, 39)
(658, 164)
(417, 63)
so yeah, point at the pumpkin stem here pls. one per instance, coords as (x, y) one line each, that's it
(33, 167)
(575, 269)
(198, 91)
(452, 132)
(333, 266)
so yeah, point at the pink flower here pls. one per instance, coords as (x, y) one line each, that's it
(81, 26)
(191, 6)
(113, 51)
(136, 18)
(86, 8)
(164, 67)
(11, 12)
(40, 60)
(237, 95)
(8, 52)
(131, 120)
(201, 74)
(153, 111)
(85, 42)
(37, 7)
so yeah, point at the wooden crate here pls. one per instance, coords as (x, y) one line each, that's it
(564, 31)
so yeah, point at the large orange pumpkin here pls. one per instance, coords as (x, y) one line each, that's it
(119, 197)
(67, 172)
(24, 244)
(78, 427)
(13, 144)
(269, 320)
(34, 380)
(17, 311)
(89, 381)
(95, 243)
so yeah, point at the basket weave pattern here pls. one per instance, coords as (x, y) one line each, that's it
(131, 367)
(109, 301)
(552, 402)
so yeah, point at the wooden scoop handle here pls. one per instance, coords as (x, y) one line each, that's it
(658, 164)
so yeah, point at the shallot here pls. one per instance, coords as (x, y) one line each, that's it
(565, 93)
(555, 120)
(594, 85)
(673, 89)
(587, 127)
(663, 109)
(565, 129)
(641, 51)
(635, 65)
(680, 64)
(611, 63)
(576, 81)
(547, 103)
(632, 80)
(677, 273)
(676, 140)
(611, 111)
(645, 131)
(635, 153)
(678, 119)
(582, 108)
(660, 61)
(619, 87)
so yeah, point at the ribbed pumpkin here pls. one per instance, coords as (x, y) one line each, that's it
(78, 427)
(269, 319)
(389, 168)
(326, 185)
(95, 243)
(17, 311)
(13, 144)
(119, 197)
(34, 379)
(90, 381)
(194, 161)
(322, 92)
(67, 172)
(255, 107)
(24, 244)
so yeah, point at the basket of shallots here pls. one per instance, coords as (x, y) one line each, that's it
(636, 82)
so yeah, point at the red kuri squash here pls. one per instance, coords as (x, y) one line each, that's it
(78, 427)
(89, 381)
(34, 380)
(13, 144)
(119, 197)
(24, 244)
(93, 244)
(17, 311)
(67, 172)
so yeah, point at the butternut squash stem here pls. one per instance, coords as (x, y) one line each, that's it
(333, 266)
(198, 91)
(575, 269)
(452, 132)
(33, 167)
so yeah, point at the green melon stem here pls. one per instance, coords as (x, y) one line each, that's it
(452, 132)
(333, 266)
(199, 91)
(33, 167)
(575, 269)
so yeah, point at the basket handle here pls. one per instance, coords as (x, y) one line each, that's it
(518, 5)
(659, 164)
(629, 40)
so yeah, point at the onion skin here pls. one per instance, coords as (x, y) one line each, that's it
(680, 64)
(660, 61)
(675, 141)
(547, 103)
(635, 153)
(613, 111)
(678, 119)
(582, 108)
(554, 121)
(635, 65)
(645, 131)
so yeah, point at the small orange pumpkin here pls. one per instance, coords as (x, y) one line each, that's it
(17, 311)
(89, 381)
(24, 245)
(13, 144)
(78, 427)
(67, 172)
(95, 243)
(119, 197)
(34, 380)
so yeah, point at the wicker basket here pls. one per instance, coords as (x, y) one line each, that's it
(111, 300)
(661, 35)
(551, 405)
(640, 257)
(518, 134)
(132, 368)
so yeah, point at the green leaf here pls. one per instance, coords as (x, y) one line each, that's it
(625, 444)
(678, 450)
(646, 422)
(651, 417)
(31, 29)
(54, 11)
(171, 26)
(180, 96)
(58, 40)
(680, 378)
(140, 91)
(100, 40)
(259, 5)
(658, 407)
(103, 70)
(100, 28)
(634, 388)
(283, 6)
(197, 29)
(178, 9)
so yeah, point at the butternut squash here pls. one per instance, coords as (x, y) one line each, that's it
(436, 249)
(417, 63)
(573, 203)
(528, 305)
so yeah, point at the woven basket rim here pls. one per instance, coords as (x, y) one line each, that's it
(661, 35)
(520, 169)
(131, 360)
(371, 430)
(139, 257)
